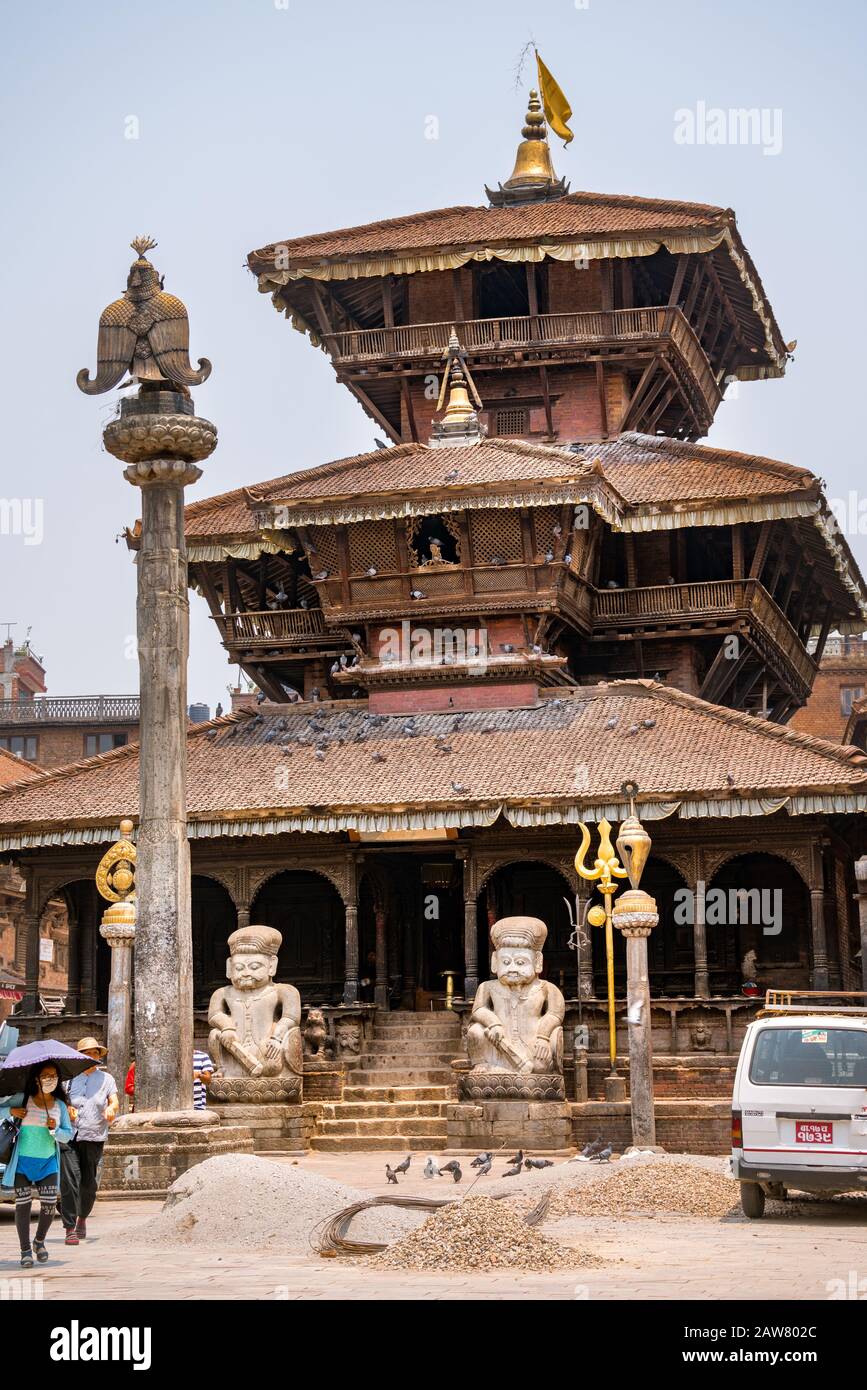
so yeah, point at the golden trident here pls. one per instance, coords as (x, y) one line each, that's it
(634, 844)
(606, 869)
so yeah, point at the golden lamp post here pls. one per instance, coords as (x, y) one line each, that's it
(635, 915)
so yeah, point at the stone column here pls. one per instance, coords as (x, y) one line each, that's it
(164, 953)
(380, 989)
(861, 898)
(120, 936)
(640, 1044)
(635, 914)
(699, 937)
(820, 949)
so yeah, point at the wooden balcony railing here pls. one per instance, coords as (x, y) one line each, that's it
(591, 329)
(71, 709)
(662, 604)
(273, 627)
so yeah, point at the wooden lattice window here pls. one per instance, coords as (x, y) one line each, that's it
(433, 540)
(326, 556)
(514, 420)
(372, 544)
(544, 521)
(496, 536)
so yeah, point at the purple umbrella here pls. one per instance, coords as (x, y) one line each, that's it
(21, 1060)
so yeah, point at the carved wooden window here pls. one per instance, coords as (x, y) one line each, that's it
(433, 540)
(496, 536)
(544, 521)
(514, 420)
(372, 544)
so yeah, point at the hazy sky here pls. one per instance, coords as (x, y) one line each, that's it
(260, 121)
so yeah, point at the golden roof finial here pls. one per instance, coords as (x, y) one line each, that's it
(460, 423)
(533, 178)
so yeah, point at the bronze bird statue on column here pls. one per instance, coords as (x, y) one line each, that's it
(146, 333)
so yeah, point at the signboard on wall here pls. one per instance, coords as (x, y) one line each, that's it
(46, 948)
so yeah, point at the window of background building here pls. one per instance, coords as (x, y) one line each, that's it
(848, 694)
(102, 743)
(22, 745)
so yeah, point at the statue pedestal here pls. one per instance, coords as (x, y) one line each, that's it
(511, 1085)
(276, 1127)
(148, 1150)
(323, 1078)
(537, 1126)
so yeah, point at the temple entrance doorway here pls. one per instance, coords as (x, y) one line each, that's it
(308, 910)
(418, 902)
(214, 919)
(764, 906)
(531, 889)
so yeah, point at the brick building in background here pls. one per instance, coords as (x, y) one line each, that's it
(840, 683)
(52, 730)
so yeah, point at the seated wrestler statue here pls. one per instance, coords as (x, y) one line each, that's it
(517, 1019)
(255, 1023)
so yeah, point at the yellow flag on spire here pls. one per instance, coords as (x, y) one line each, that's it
(557, 109)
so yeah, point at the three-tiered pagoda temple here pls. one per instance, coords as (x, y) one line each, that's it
(468, 639)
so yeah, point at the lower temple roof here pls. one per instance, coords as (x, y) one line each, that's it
(338, 767)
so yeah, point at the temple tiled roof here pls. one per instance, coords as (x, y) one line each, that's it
(652, 469)
(337, 767)
(641, 468)
(577, 215)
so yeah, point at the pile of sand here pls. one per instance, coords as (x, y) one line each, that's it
(240, 1202)
(479, 1233)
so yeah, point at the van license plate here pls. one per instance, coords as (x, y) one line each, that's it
(813, 1132)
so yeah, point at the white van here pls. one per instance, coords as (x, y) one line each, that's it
(799, 1108)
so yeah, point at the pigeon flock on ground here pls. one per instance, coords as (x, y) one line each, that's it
(483, 1163)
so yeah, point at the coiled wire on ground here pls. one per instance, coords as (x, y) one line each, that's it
(334, 1241)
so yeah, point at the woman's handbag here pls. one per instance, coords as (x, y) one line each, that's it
(9, 1131)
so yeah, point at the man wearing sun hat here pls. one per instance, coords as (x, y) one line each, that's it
(93, 1095)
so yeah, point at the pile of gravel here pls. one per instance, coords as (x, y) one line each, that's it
(646, 1187)
(241, 1202)
(479, 1233)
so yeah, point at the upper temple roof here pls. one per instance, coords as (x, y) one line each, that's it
(590, 215)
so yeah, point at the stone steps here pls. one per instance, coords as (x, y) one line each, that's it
(396, 1094)
(416, 1034)
(427, 1076)
(410, 1061)
(382, 1110)
(354, 1143)
(434, 1129)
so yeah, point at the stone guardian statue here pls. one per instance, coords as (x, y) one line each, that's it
(255, 1037)
(515, 1036)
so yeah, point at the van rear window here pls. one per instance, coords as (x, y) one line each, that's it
(821, 1056)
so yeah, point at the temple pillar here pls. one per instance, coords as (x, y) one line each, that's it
(30, 1002)
(120, 936)
(380, 989)
(699, 940)
(471, 931)
(819, 978)
(585, 952)
(243, 915)
(350, 984)
(861, 898)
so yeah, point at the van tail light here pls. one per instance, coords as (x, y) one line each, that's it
(737, 1130)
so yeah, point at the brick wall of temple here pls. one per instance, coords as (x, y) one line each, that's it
(53, 974)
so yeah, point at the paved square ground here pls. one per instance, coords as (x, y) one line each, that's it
(785, 1256)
